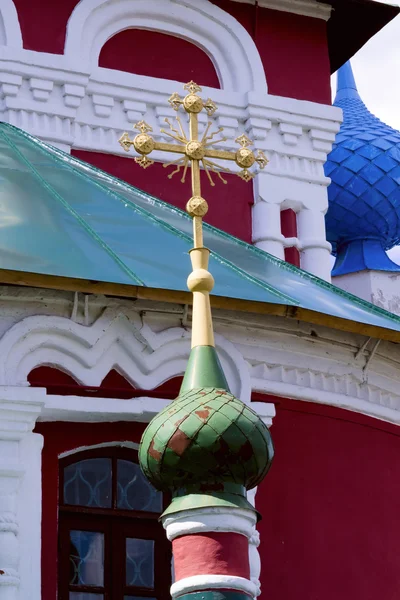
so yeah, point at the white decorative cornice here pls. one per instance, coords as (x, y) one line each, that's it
(146, 358)
(268, 355)
(308, 8)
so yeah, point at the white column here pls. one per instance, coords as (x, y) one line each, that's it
(266, 217)
(267, 228)
(315, 250)
(20, 493)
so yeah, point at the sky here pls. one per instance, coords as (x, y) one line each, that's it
(376, 70)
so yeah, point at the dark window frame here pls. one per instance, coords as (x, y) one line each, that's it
(117, 525)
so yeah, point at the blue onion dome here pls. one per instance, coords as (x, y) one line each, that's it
(363, 219)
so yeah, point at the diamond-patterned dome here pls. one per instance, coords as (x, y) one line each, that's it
(363, 219)
(206, 439)
(206, 435)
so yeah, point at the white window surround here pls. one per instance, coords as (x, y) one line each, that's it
(70, 102)
(145, 358)
(226, 42)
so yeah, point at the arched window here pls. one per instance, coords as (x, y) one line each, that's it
(111, 544)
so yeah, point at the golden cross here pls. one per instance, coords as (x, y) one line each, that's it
(195, 151)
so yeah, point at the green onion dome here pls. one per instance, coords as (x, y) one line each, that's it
(206, 438)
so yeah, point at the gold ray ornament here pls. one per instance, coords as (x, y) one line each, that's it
(194, 151)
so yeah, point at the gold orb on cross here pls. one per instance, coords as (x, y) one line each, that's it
(197, 206)
(193, 103)
(195, 150)
(245, 158)
(143, 143)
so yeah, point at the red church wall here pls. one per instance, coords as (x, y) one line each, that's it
(293, 49)
(330, 525)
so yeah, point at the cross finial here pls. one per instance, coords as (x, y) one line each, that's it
(194, 151)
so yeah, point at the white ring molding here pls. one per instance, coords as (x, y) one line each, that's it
(70, 102)
(202, 520)
(210, 582)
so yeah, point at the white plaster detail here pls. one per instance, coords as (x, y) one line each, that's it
(332, 375)
(228, 44)
(145, 358)
(103, 105)
(98, 410)
(198, 520)
(119, 444)
(308, 8)
(20, 477)
(141, 409)
(291, 134)
(73, 94)
(10, 30)
(382, 288)
(206, 582)
(40, 88)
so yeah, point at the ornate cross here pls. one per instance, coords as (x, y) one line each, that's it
(194, 151)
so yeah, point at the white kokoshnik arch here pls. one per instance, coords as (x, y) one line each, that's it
(227, 43)
(10, 30)
(113, 341)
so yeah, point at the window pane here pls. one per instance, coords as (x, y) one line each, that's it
(88, 483)
(86, 558)
(85, 596)
(134, 491)
(140, 562)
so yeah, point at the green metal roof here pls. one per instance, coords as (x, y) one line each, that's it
(61, 217)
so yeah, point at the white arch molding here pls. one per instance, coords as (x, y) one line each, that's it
(10, 30)
(227, 43)
(114, 341)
